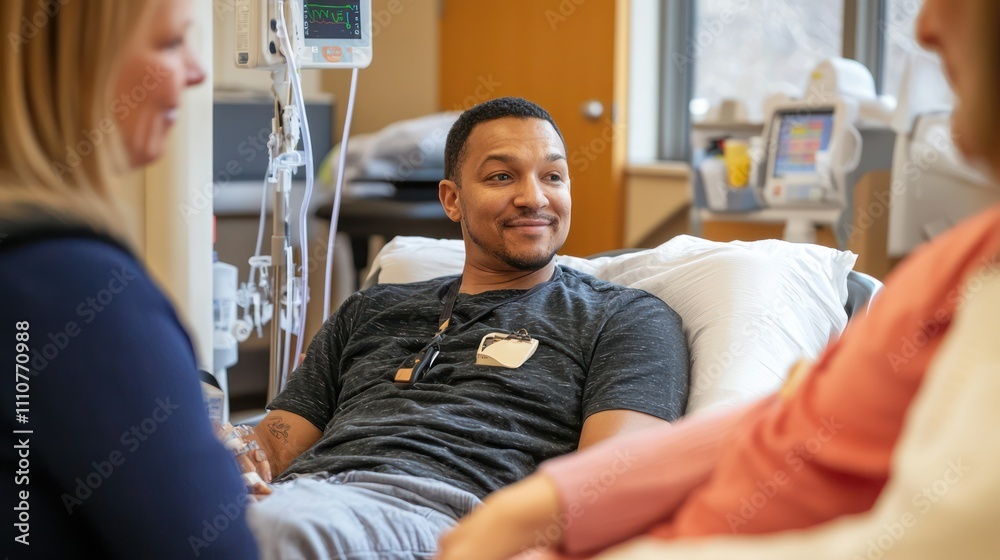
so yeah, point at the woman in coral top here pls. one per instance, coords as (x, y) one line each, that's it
(823, 447)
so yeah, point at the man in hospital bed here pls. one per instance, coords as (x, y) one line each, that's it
(415, 401)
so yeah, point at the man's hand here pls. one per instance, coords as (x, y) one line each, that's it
(250, 458)
(268, 448)
(515, 519)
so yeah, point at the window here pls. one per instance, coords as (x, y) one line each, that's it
(749, 50)
(899, 32)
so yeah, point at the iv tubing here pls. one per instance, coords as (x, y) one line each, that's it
(335, 214)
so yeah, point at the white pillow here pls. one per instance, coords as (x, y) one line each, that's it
(412, 259)
(750, 310)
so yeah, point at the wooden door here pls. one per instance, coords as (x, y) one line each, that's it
(560, 54)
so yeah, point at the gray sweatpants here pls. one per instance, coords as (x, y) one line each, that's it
(357, 516)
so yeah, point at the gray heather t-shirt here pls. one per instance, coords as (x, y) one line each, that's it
(476, 427)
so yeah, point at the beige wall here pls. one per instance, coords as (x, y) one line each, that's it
(655, 194)
(402, 81)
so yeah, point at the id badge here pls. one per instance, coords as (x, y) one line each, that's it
(506, 350)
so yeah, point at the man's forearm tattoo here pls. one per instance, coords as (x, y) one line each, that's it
(279, 430)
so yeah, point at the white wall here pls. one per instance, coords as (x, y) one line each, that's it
(176, 229)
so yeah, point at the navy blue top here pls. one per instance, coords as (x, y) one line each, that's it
(120, 461)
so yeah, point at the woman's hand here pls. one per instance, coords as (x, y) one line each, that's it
(510, 521)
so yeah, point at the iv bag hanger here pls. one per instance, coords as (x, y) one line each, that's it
(284, 36)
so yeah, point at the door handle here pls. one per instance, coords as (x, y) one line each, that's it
(592, 109)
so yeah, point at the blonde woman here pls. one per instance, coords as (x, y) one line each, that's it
(106, 449)
(824, 448)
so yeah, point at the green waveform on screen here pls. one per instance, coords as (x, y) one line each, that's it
(331, 15)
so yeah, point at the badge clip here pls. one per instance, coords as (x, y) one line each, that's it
(414, 367)
(506, 350)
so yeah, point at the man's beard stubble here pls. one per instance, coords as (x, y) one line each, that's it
(524, 264)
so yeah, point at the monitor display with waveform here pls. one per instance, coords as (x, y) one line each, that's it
(332, 19)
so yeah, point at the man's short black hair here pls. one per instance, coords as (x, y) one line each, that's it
(458, 136)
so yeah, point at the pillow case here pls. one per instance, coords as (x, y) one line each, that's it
(749, 309)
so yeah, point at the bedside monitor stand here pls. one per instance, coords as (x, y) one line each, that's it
(800, 137)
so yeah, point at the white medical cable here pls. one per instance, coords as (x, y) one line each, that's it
(299, 101)
(260, 228)
(335, 214)
(289, 305)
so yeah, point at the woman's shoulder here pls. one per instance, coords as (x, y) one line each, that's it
(55, 281)
(64, 266)
(58, 248)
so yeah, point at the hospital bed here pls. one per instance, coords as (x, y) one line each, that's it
(794, 299)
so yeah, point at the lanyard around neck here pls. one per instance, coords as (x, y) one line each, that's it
(444, 321)
(413, 367)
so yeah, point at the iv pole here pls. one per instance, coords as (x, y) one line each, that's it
(280, 45)
(285, 135)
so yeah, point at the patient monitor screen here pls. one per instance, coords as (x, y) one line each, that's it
(800, 136)
(332, 19)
